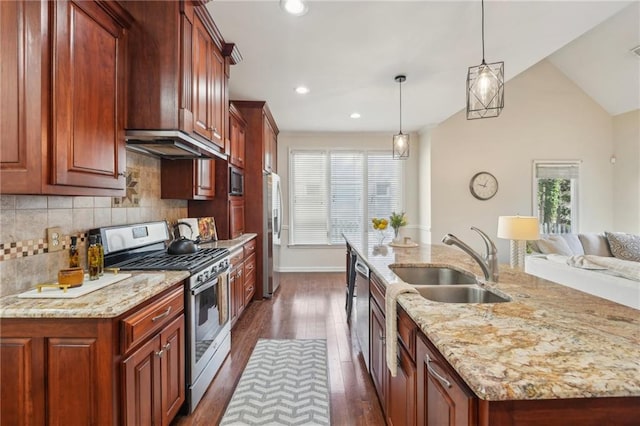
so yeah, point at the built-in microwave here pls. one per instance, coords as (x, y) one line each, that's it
(236, 181)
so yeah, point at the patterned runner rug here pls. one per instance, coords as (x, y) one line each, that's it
(284, 383)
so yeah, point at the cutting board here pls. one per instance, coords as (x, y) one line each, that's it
(71, 293)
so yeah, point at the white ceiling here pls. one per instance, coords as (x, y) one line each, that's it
(348, 54)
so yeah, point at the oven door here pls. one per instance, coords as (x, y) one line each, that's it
(208, 306)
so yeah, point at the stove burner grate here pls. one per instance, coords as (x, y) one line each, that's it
(175, 262)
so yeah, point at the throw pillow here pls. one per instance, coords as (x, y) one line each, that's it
(624, 246)
(554, 244)
(574, 243)
(595, 244)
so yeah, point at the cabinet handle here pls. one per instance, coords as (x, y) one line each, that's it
(240, 273)
(166, 347)
(159, 353)
(162, 315)
(123, 174)
(435, 374)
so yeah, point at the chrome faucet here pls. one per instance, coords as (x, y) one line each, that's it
(488, 263)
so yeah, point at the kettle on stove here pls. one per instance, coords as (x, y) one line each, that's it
(181, 244)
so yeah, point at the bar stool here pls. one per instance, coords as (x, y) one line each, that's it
(351, 282)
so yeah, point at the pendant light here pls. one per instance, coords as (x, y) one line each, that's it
(400, 140)
(485, 87)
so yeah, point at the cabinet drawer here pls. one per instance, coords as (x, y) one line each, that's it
(249, 248)
(146, 321)
(377, 290)
(249, 286)
(407, 332)
(250, 264)
(236, 258)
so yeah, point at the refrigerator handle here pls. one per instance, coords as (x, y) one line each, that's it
(279, 209)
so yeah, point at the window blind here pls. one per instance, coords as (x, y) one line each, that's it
(309, 197)
(346, 196)
(384, 185)
(557, 171)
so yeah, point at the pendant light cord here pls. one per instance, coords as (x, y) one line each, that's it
(400, 106)
(483, 32)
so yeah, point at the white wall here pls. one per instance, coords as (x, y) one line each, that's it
(626, 172)
(545, 117)
(332, 258)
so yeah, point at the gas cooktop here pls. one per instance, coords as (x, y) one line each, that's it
(161, 260)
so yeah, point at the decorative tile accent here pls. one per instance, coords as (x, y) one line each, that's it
(132, 199)
(16, 249)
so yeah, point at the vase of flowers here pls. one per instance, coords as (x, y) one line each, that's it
(380, 226)
(396, 220)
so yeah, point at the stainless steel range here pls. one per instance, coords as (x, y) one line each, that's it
(207, 299)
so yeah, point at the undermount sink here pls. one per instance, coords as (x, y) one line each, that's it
(432, 275)
(459, 294)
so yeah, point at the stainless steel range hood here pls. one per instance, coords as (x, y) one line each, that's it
(171, 144)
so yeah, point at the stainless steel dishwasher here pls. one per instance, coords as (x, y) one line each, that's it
(362, 308)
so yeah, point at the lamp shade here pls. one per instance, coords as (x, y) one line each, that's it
(521, 228)
(401, 146)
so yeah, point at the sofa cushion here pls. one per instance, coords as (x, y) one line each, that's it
(624, 246)
(574, 243)
(595, 244)
(554, 244)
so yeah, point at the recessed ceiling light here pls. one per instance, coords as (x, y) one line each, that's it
(302, 90)
(294, 7)
(355, 115)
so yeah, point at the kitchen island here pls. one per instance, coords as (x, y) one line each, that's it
(549, 344)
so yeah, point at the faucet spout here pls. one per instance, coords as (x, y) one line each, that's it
(488, 263)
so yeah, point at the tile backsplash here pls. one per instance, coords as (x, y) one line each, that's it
(24, 219)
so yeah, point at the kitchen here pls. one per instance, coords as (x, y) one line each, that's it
(82, 202)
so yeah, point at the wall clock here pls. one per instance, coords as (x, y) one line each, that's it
(483, 185)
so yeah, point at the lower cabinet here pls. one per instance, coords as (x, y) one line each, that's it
(154, 382)
(377, 353)
(443, 399)
(401, 403)
(242, 279)
(96, 371)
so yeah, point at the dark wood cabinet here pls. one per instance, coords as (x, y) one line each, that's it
(188, 179)
(236, 216)
(242, 279)
(237, 130)
(270, 155)
(94, 371)
(249, 284)
(180, 62)
(154, 381)
(442, 397)
(401, 402)
(66, 69)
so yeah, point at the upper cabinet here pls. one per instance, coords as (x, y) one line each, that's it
(237, 136)
(64, 63)
(262, 133)
(178, 71)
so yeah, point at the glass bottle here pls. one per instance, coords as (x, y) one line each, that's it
(74, 256)
(101, 255)
(93, 258)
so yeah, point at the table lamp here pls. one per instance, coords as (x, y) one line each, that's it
(518, 229)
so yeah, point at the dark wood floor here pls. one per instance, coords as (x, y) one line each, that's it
(306, 306)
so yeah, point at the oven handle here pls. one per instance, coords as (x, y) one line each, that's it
(196, 291)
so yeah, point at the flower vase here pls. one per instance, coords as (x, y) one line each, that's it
(396, 234)
(380, 236)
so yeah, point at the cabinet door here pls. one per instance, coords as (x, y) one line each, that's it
(22, 378)
(234, 296)
(217, 97)
(23, 69)
(206, 179)
(249, 278)
(267, 137)
(238, 133)
(202, 79)
(236, 217)
(442, 398)
(379, 371)
(401, 405)
(141, 400)
(172, 364)
(89, 57)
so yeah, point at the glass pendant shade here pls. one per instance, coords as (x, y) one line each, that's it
(400, 146)
(485, 90)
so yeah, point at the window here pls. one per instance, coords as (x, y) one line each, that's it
(336, 192)
(555, 188)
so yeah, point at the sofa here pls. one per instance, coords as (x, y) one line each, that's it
(604, 265)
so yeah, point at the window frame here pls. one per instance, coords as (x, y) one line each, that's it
(365, 176)
(575, 190)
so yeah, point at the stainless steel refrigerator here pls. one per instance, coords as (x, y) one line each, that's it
(272, 228)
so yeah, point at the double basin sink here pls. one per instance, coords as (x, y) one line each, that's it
(446, 285)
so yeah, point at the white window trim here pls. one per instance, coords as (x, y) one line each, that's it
(574, 190)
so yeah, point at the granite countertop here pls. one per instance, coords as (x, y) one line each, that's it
(549, 342)
(110, 301)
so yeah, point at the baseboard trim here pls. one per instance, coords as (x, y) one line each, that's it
(311, 269)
